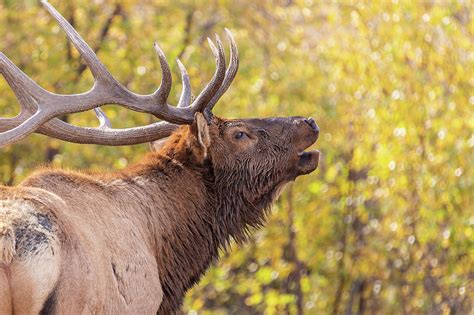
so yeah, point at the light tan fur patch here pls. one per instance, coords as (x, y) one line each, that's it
(18, 215)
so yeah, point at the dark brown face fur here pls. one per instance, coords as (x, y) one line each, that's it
(264, 146)
(245, 165)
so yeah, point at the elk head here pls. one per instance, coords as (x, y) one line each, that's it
(252, 161)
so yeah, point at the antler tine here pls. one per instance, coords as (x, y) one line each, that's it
(211, 88)
(164, 90)
(24, 89)
(25, 128)
(230, 74)
(104, 121)
(213, 47)
(17, 79)
(99, 71)
(185, 99)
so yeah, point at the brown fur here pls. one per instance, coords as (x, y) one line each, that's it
(135, 241)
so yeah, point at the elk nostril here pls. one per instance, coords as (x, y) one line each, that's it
(310, 121)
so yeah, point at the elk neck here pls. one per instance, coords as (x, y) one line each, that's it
(197, 213)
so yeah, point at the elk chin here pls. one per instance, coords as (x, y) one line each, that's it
(307, 162)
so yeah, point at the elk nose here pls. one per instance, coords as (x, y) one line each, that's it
(310, 121)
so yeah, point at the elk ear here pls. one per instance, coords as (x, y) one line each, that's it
(155, 146)
(201, 131)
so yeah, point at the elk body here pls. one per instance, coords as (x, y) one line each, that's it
(135, 241)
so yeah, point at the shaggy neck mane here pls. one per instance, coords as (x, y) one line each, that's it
(207, 209)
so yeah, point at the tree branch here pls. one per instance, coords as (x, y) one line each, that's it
(187, 32)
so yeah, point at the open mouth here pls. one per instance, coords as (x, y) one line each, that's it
(307, 161)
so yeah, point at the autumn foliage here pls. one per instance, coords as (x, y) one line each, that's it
(386, 225)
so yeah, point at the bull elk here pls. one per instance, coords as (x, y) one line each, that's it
(134, 241)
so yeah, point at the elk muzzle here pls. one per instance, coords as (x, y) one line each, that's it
(308, 133)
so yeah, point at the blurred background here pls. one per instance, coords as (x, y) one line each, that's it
(385, 225)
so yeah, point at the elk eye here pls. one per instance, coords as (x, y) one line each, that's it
(240, 135)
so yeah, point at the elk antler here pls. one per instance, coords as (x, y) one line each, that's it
(39, 108)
